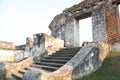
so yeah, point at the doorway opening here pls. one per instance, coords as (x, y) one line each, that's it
(85, 26)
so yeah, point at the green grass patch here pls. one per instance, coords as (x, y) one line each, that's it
(110, 69)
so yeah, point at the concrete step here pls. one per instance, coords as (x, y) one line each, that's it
(45, 67)
(58, 58)
(65, 52)
(10, 78)
(70, 49)
(27, 68)
(54, 61)
(50, 64)
(32, 68)
(22, 71)
(62, 55)
(17, 76)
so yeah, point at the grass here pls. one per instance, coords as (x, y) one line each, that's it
(110, 69)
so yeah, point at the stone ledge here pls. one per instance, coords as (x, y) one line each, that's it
(15, 67)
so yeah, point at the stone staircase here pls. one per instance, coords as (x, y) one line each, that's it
(50, 63)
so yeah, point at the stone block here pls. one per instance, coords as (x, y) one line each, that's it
(31, 75)
(2, 70)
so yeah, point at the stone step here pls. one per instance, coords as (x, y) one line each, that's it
(27, 68)
(62, 55)
(22, 71)
(54, 61)
(65, 52)
(46, 68)
(17, 76)
(11, 78)
(69, 48)
(32, 68)
(50, 64)
(58, 58)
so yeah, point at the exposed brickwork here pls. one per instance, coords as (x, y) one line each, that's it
(112, 22)
(81, 5)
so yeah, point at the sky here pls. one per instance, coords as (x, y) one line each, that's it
(85, 30)
(23, 18)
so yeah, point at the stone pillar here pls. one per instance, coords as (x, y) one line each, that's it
(69, 33)
(72, 37)
(28, 47)
(77, 33)
(38, 42)
(112, 21)
(98, 25)
(2, 71)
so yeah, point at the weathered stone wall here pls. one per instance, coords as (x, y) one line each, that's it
(23, 51)
(19, 55)
(67, 22)
(105, 21)
(69, 33)
(88, 59)
(38, 43)
(46, 42)
(7, 55)
(58, 31)
(15, 67)
(7, 45)
(2, 71)
(45, 45)
(52, 44)
(28, 48)
(98, 25)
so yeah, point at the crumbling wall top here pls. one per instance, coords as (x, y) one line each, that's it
(7, 45)
(80, 8)
(83, 7)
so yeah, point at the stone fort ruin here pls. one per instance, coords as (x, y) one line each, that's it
(60, 56)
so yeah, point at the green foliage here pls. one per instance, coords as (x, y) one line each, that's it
(110, 69)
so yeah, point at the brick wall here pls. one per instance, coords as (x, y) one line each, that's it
(112, 22)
